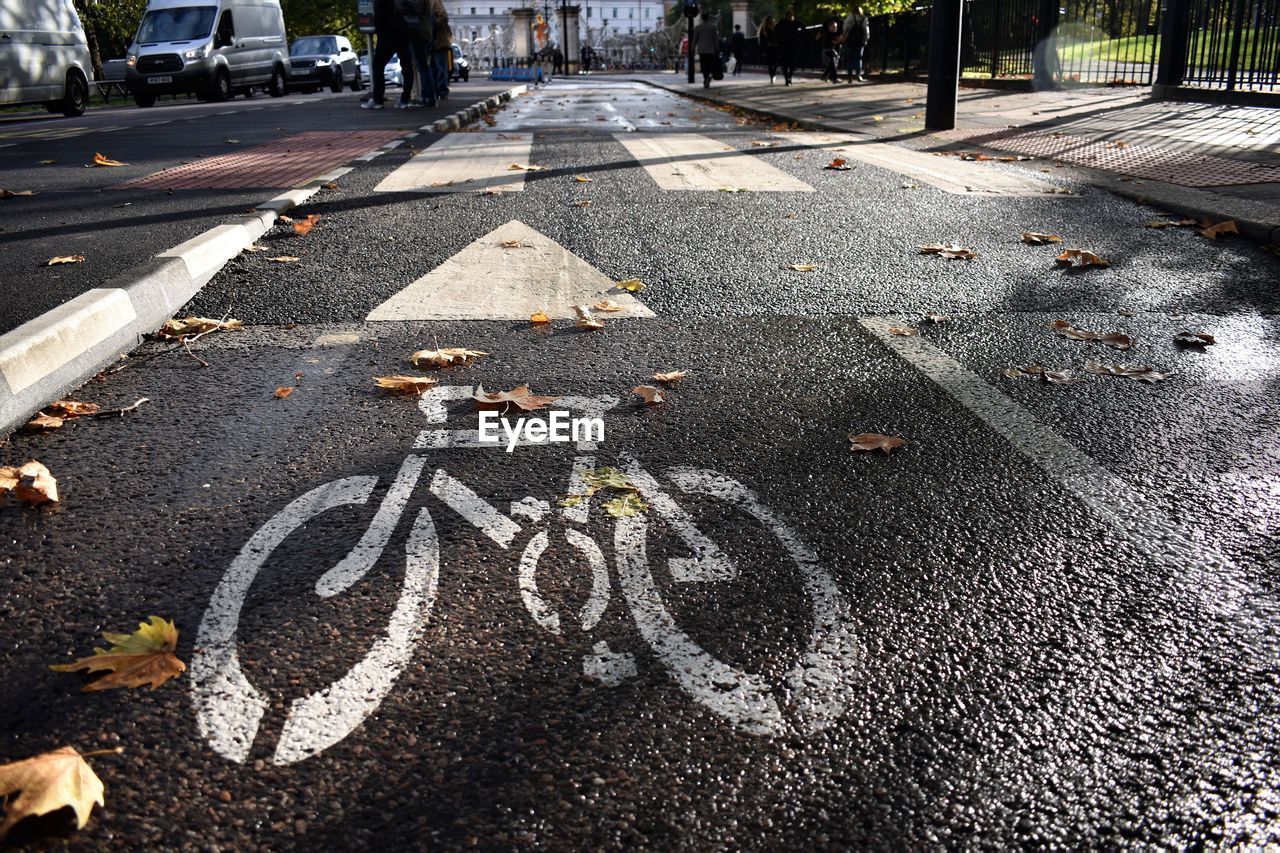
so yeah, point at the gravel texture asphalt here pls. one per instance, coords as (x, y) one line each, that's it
(1025, 671)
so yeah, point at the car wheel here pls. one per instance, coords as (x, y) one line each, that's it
(335, 85)
(276, 88)
(357, 84)
(466, 74)
(77, 95)
(220, 89)
(144, 99)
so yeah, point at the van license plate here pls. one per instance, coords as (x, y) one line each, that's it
(157, 80)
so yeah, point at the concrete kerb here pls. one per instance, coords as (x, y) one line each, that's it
(1185, 201)
(464, 117)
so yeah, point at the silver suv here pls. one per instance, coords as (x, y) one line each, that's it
(316, 61)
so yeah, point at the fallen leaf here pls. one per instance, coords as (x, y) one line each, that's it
(1172, 223)
(255, 248)
(330, 186)
(46, 783)
(445, 357)
(586, 202)
(625, 506)
(803, 266)
(651, 395)
(46, 162)
(14, 194)
(631, 285)
(521, 167)
(1112, 339)
(868, 441)
(877, 118)
(100, 160)
(950, 251)
(975, 158)
(284, 259)
(1086, 259)
(43, 422)
(585, 319)
(30, 482)
(284, 391)
(232, 141)
(1141, 374)
(175, 328)
(73, 408)
(514, 244)
(608, 305)
(522, 398)
(838, 165)
(1119, 143)
(303, 228)
(908, 185)
(539, 317)
(1194, 339)
(672, 376)
(401, 384)
(1035, 371)
(1014, 158)
(1213, 232)
(733, 189)
(582, 179)
(65, 259)
(1037, 238)
(143, 657)
(937, 318)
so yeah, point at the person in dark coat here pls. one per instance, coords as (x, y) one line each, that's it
(768, 35)
(391, 39)
(857, 32)
(706, 43)
(829, 38)
(789, 30)
(738, 47)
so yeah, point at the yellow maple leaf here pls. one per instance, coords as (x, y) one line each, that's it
(143, 657)
(101, 160)
(539, 317)
(48, 782)
(631, 285)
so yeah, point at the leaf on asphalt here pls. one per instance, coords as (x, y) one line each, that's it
(1014, 158)
(1035, 371)
(46, 783)
(625, 506)
(582, 179)
(608, 305)
(975, 158)
(143, 657)
(1112, 339)
(1038, 238)
(14, 193)
(445, 356)
(255, 248)
(332, 185)
(802, 266)
(1141, 374)
(903, 331)
(937, 318)
(303, 226)
(100, 160)
(1213, 232)
(522, 167)
(31, 483)
(175, 328)
(284, 391)
(42, 422)
(73, 408)
(1085, 258)
(671, 376)
(522, 398)
(733, 189)
(284, 259)
(631, 285)
(649, 394)
(1194, 339)
(1172, 223)
(950, 251)
(400, 384)
(586, 202)
(585, 319)
(515, 244)
(868, 441)
(47, 162)
(539, 317)
(839, 164)
(65, 259)
(877, 118)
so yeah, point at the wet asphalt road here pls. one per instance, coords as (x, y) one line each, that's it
(1032, 653)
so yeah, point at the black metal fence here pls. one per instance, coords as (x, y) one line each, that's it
(1223, 44)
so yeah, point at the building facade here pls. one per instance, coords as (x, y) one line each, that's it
(483, 27)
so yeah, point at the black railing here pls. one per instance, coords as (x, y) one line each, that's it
(1232, 45)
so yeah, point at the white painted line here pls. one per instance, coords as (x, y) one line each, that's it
(537, 606)
(464, 162)
(708, 562)
(608, 667)
(541, 275)
(474, 509)
(39, 347)
(579, 513)
(1208, 576)
(950, 174)
(156, 123)
(598, 602)
(691, 161)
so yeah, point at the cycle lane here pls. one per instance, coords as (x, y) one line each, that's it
(996, 622)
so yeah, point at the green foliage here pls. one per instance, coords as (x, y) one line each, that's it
(112, 23)
(807, 11)
(321, 17)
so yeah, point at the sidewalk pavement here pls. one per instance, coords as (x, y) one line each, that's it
(1202, 160)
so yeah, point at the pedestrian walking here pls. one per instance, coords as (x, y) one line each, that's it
(789, 30)
(706, 43)
(857, 32)
(391, 35)
(768, 39)
(441, 50)
(738, 47)
(829, 38)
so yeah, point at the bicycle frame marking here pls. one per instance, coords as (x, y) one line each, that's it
(230, 709)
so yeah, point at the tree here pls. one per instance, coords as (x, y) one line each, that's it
(109, 27)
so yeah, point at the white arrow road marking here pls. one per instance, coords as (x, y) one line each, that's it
(950, 174)
(486, 281)
(464, 162)
(691, 161)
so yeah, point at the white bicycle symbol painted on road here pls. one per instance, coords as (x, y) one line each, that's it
(814, 694)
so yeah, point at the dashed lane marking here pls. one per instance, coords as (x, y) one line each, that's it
(537, 275)
(464, 162)
(691, 161)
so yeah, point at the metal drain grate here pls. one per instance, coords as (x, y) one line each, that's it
(284, 163)
(1141, 161)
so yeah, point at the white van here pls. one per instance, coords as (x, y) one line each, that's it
(213, 49)
(44, 56)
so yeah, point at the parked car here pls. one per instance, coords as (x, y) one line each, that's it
(44, 56)
(459, 69)
(393, 74)
(316, 61)
(213, 49)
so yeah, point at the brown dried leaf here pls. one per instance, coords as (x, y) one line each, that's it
(1141, 374)
(539, 317)
(175, 328)
(582, 179)
(15, 194)
(1172, 223)
(284, 391)
(649, 394)
(284, 259)
(46, 783)
(586, 202)
(1213, 232)
(144, 657)
(73, 408)
(803, 266)
(1086, 258)
(303, 228)
(255, 248)
(400, 384)
(1038, 238)
(515, 244)
(937, 318)
(869, 441)
(43, 422)
(64, 259)
(100, 160)
(445, 357)
(838, 164)
(950, 251)
(1194, 339)
(1112, 339)
(903, 331)
(521, 167)
(608, 305)
(672, 376)
(1035, 371)
(522, 398)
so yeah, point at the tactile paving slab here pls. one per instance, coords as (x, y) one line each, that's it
(284, 163)
(1184, 168)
